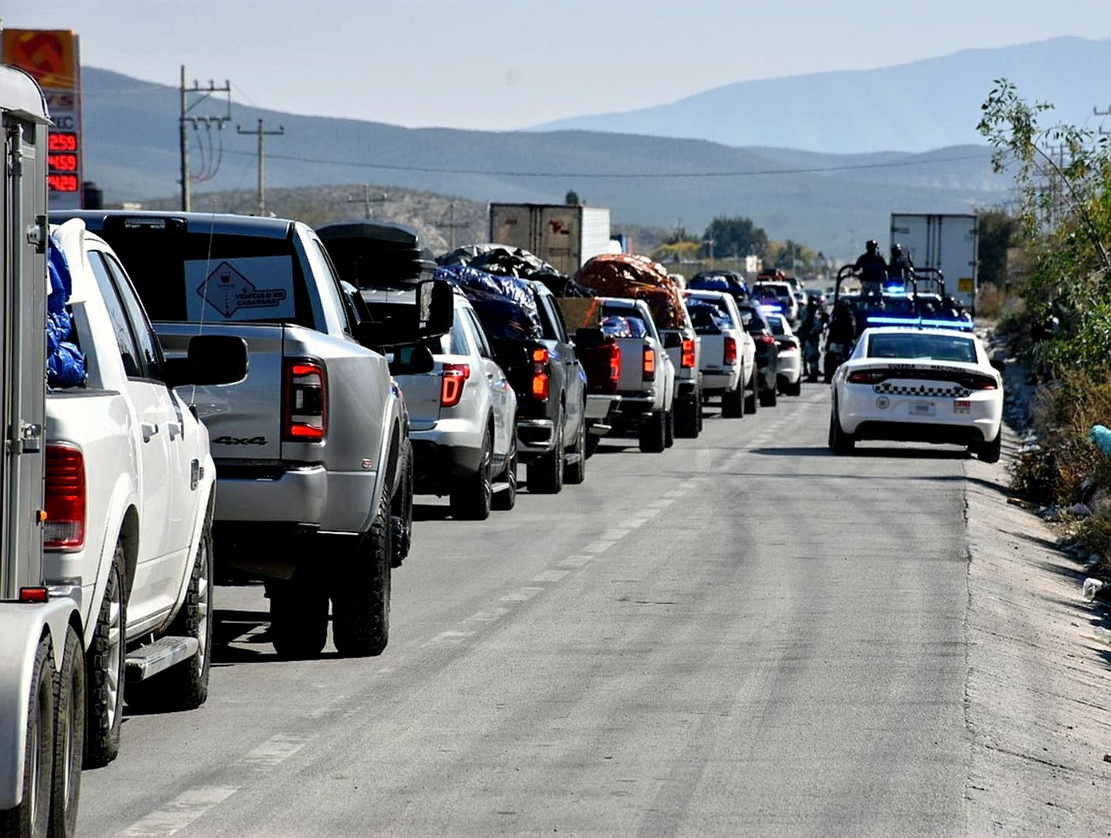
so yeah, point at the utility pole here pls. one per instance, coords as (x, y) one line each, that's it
(451, 225)
(1098, 112)
(367, 200)
(184, 120)
(260, 133)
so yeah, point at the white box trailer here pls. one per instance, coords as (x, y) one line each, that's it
(563, 235)
(947, 242)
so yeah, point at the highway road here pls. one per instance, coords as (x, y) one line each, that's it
(744, 634)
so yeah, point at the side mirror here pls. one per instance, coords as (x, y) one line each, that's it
(412, 360)
(435, 309)
(211, 359)
(672, 340)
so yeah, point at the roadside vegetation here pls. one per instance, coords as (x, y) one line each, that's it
(1053, 303)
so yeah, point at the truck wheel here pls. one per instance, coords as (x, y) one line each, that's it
(752, 398)
(575, 473)
(69, 738)
(669, 428)
(401, 514)
(32, 815)
(506, 499)
(471, 496)
(361, 596)
(732, 401)
(545, 475)
(653, 433)
(686, 417)
(185, 686)
(105, 663)
(298, 615)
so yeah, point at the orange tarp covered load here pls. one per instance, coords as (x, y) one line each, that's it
(637, 277)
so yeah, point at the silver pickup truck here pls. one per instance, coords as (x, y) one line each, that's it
(314, 476)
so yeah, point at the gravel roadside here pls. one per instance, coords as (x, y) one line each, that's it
(1039, 682)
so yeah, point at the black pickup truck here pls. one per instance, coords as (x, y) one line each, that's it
(530, 342)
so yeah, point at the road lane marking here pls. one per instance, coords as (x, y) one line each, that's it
(599, 546)
(575, 561)
(181, 811)
(521, 594)
(454, 637)
(274, 750)
(489, 615)
(550, 576)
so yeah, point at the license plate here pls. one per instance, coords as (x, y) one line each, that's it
(922, 409)
(962, 406)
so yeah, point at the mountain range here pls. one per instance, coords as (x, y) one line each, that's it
(810, 164)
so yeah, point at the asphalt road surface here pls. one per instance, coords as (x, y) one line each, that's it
(744, 634)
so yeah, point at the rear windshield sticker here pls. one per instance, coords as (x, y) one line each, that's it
(254, 288)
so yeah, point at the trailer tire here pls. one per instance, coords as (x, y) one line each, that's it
(361, 596)
(185, 686)
(69, 738)
(32, 815)
(106, 668)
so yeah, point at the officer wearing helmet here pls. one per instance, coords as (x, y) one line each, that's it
(900, 265)
(873, 268)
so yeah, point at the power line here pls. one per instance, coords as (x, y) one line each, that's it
(624, 175)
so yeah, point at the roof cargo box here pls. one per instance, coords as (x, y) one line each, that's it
(377, 254)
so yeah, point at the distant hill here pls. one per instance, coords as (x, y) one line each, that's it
(916, 106)
(831, 202)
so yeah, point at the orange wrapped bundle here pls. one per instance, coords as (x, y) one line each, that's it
(638, 277)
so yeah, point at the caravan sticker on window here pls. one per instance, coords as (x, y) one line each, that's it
(255, 288)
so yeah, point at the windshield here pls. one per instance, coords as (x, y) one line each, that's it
(922, 345)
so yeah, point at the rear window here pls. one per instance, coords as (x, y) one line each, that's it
(193, 277)
(922, 345)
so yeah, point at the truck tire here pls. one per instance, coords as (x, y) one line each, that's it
(732, 401)
(506, 499)
(545, 475)
(470, 497)
(105, 666)
(669, 428)
(298, 615)
(32, 816)
(687, 413)
(69, 738)
(361, 596)
(575, 473)
(653, 433)
(185, 686)
(752, 398)
(401, 512)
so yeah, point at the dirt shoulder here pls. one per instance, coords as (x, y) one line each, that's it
(1039, 683)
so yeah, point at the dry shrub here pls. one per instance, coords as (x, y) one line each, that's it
(1054, 473)
(991, 302)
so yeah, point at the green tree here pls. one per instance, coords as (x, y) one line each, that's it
(572, 198)
(740, 237)
(999, 232)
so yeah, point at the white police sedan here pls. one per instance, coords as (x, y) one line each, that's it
(918, 385)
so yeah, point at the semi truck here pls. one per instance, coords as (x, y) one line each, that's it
(563, 235)
(947, 242)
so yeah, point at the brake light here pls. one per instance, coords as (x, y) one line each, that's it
(867, 376)
(541, 382)
(730, 351)
(306, 402)
(615, 367)
(65, 498)
(686, 360)
(35, 594)
(453, 378)
(648, 364)
(979, 382)
(766, 338)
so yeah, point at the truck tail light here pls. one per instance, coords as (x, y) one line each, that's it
(648, 364)
(306, 402)
(730, 351)
(541, 382)
(615, 367)
(452, 380)
(686, 359)
(65, 498)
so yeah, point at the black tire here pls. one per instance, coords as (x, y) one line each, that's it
(592, 443)
(752, 398)
(653, 433)
(545, 474)
(69, 739)
(687, 413)
(401, 512)
(185, 686)
(840, 443)
(361, 597)
(575, 473)
(732, 401)
(106, 668)
(794, 389)
(298, 615)
(470, 497)
(768, 396)
(989, 452)
(32, 816)
(506, 499)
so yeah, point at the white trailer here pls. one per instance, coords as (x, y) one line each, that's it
(42, 667)
(946, 242)
(563, 235)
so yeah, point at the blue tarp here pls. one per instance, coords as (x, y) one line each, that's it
(505, 305)
(65, 364)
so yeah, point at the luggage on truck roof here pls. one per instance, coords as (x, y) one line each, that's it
(637, 277)
(377, 254)
(503, 260)
(505, 304)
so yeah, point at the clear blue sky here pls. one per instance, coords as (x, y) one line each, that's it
(503, 64)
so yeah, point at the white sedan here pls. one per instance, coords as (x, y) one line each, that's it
(789, 377)
(918, 385)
